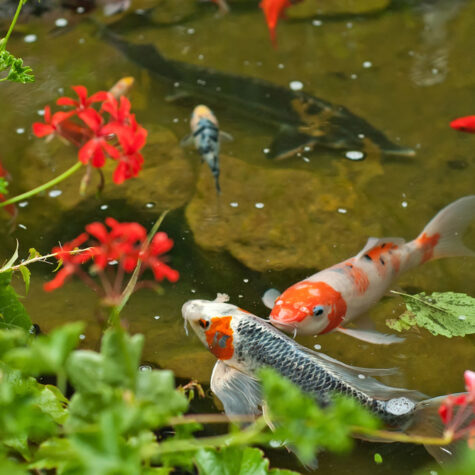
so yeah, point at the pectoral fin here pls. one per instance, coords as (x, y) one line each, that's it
(288, 142)
(225, 137)
(187, 140)
(371, 336)
(239, 393)
(269, 297)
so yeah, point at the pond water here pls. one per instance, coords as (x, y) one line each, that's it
(407, 68)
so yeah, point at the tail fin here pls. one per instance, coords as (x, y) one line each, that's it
(426, 422)
(442, 237)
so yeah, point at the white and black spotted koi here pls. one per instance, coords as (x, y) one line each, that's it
(206, 136)
(243, 343)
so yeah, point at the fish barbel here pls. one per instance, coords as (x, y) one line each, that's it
(244, 343)
(332, 297)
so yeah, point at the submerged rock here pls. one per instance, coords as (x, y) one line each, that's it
(281, 218)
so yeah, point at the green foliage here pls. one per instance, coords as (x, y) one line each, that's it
(16, 71)
(12, 312)
(3, 186)
(378, 458)
(309, 428)
(442, 313)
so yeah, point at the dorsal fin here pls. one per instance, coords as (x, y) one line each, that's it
(374, 243)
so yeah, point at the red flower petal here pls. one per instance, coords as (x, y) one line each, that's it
(59, 279)
(98, 230)
(98, 97)
(67, 101)
(81, 91)
(87, 151)
(41, 130)
(92, 119)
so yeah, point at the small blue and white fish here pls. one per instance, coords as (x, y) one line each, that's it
(205, 135)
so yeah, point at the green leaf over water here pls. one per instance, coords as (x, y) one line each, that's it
(441, 313)
(16, 71)
(12, 312)
(3, 186)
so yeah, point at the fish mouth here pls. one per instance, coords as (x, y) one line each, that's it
(192, 310)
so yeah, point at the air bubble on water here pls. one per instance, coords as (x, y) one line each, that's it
(317, 22)
(82, 336)
(81, 41)
(317, 347)
(176, 84)
(404, 204)
(103, 207)
(150, 205)
(20, 130)
(156, 317)
(61, 22)
(353, 76)
(307, 149)
(234, 204)
(41, 112)
(201, 57)
(342, 210)
(191, 31)
(240, 296)
(55, 193)
(361, 376)
(245, 280)
(259, 205)
(361, 136)
(435, 71)
(176, 120)
(80, 10)
(349, 25)
(296, 85)
(22, 226)
(193, 291)
(140, 11)
(354, 155)
(266, 150)
(23, 204)
(30, 38)
(281, 66)
(306, 159)
(367, 64)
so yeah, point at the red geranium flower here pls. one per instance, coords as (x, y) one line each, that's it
(84, 102)
(160, 244)
(51, 123)
(464, 124)
(120, 111)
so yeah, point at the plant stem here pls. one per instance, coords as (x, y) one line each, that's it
(43, 187)
(400, 437)
(3, 43)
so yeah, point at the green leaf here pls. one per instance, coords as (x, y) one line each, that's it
(442, 313)
(47, 354)
(33, 253)
(306, 427)
(16, 71)
(233, 461)
(378, 458)
(25, 273)
(3, 186)
(8, 466)
(10, 339)
(11, 261)
(12, 312)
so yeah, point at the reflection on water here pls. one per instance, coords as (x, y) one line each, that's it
(275, 222)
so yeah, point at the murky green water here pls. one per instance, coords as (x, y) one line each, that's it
(408, 70)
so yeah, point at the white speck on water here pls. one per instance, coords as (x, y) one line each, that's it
(259, 205)
(317, 347)
(80, 10)
(103, 207)
(435, 71)
(245, 280)
(361, 376)
(361, 136)
(462, 317)
(306, 159)
(23, 204)
(81, 41)
(433, 472)
(342, 210)
(281, 66)
(266, 150)
(30, 38)
(349, 25)
(20, 130)
(176, 84)
(403, 195)
(296, 85)
(55, 193)
(60, 90)
(22, 226)
(201, 57)
(156, 317)
(201, 82)
(307, 149)
(61, 22)
(176, 120)
(404, 204)
(354, 155)
(41, 112)
(82, 336)
(140, 11)
(317, 22)
(150, 205)
(240, 296)
(234, 204)
(218, 88)
(410, 52)
(193, 291)
(367, 64)
(353, 76)
(190, 31)
(113, 262)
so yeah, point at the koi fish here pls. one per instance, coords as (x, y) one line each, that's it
(331, 298)
(122, 87)
(243, 343)
(273, 10)
(464, 124)
(205, 134)
(303, 121)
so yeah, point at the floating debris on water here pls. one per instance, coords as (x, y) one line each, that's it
(367, 64)
(31, 38)
(259, 205)
(296, 85)
(150, 205)
(404, 204)
(20, 130)
(55, 193)
(234, 204)
(317, 347)
(61, 22)
(156, 317)
(103, 207)
(317, 22)
(342, 210)
(22, 226)
(23, 204)
(354, 155)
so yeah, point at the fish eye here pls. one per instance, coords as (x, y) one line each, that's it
(203, 323)
(318, 310)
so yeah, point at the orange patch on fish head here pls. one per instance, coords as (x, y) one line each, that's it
(314, 304)
(219, 336)
(427, 244)
(201, 112)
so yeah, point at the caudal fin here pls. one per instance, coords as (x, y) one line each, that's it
(442, 237)
(426, 422)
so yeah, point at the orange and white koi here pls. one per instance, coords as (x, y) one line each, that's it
(122, 87)
(244, 343)
(331, 298)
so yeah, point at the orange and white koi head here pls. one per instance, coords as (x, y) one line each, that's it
(214, 322)
(201, 112)
(309, 307)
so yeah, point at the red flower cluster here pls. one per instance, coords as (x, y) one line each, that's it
(125, 244)
(116, 135)
(457, 412)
